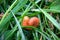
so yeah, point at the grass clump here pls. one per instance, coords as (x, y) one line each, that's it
(14, 11)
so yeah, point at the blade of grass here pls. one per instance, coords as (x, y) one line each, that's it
(38, 30)
(11, 25)
(52, 34)
(15, 25)
(50, 18)
(41, 27)
(9, 10)
(9, 34)
(15, 9)
(35, 34)
(5, 29)
(19, 27)
(47, 10)
(55, 5)
(47, 34)
(18, 36)
(26, 10)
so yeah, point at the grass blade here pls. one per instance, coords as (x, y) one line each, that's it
(50, 18)
(19, 27)
(10, 33)
(15, 9)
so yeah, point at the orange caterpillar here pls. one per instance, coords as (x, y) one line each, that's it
(34, 21)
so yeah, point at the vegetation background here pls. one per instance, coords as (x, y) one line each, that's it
(13, 11)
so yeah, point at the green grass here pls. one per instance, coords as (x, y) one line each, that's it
(48, 13)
